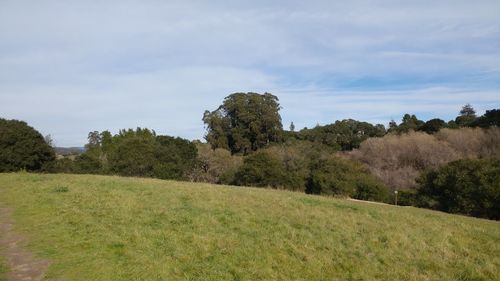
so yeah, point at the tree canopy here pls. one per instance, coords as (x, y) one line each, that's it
(467, 116)
(244, 122)
(466, 186)
(22, 147)
(345, 134)
(138, 152)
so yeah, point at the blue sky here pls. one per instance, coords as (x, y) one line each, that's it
(70, 67)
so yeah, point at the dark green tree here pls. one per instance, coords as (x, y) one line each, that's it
(133, 156)
(244, 122)
(22, 147)
(261, 169)
(340, 177)
(433, 126)
(86, 163)
(174, 157)
(490, 119)
(467, 186)
(138, 152)
(345, 134)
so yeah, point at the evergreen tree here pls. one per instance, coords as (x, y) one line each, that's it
(244, 122)
(22, 147)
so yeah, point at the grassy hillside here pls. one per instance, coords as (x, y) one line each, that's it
(112, 228)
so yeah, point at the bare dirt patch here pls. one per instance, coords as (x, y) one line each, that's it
(22, 264)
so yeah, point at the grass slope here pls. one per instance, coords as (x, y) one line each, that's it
(112, 228)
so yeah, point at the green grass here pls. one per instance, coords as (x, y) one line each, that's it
(3, 270)
(113, 228)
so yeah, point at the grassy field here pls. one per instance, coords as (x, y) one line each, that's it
(113, 228)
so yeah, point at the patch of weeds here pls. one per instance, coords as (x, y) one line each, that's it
(117, 248)
(3, 270)
(322, 203)
(60, 189)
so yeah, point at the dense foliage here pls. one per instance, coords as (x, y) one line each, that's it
(137, 152)
(244, 122)
(261, 169)
(470, 187)
(340, 177)
(247, 146)
(346, 134)
(22, 147)
(215, 165)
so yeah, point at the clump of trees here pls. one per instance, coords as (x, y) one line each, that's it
(247, 146)
(138, 152)
(342, 135)
(22, 147)
(467, 186)
(466, 118)
(244, 122)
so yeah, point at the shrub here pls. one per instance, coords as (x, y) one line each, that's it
(62, 165)
(137, 152)
(371, 189)
(467, 186)
(87, 163)
(61, 189)
(22, 147)
(341, 177)
(214, 165)
(296, 158)
(174, 157)
(261, 169)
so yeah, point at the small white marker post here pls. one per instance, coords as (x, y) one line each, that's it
(396, 197)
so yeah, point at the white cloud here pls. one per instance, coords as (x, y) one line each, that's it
(69, 67)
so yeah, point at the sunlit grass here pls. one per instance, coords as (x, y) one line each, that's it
(112, 228)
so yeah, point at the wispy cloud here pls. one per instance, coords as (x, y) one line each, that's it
(74, 66)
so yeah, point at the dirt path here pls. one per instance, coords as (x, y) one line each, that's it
(22, 264)
(369, 202)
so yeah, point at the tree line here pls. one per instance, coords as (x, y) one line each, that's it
(246, 145)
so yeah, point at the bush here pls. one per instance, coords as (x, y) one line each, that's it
(296, 158)
(469, 187)
(22, 147)
(261, 169)
(174, 157)
(137, 152)
(339, 177)
(371, 189)
(63, 165)
(61, 189)
(214, 165)
(87, 164)
(289, 165)
(133, 156)
(346, 134)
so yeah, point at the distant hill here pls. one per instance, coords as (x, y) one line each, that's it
(69, 150)
(115, 228)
